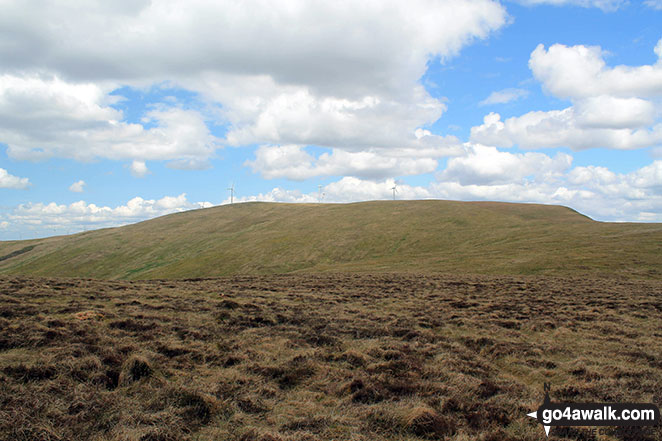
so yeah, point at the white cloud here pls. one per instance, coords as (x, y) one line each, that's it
(608, 112)
(353, 189)
(504, 96)
(295, 115)
(649, 176)
(486, 165)
(139, 169)
(560, 128)
(4, 225)
(580, 71)
(77, 187)
(11, 181)
(290, 161)
(591, 174)
(605, 5)
(655, 4)
(189, 164)
(44, 117)
(81, 214)
(326, 45)
(335, 74)
(294, 162)
(617, 107)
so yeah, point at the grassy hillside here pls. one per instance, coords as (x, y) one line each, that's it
(416, 236)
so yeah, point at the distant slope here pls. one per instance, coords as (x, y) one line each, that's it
(417, 236)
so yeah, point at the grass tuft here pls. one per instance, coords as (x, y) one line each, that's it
(134, 369)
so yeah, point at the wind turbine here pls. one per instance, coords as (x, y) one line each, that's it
(320, 195)
(394, 190)
(231, 189)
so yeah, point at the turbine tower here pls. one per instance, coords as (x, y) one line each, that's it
(320, 195)
(231, 189)
(394, 190)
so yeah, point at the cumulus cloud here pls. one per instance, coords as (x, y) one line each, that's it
(139, 169)
(487, 165)
(560, 128)
(338, 46)
(77, 187)
(332, 74)
(612, 107)
(189, 164)
(299, 117)
(10, 181)
(354, 189)
(81, 214)
(44, 116)
(294, 162)
(608, 112)
(655, 4)
(605, 5)
(581, 71)
(504, 96)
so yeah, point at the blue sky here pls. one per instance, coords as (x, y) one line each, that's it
(135, 109)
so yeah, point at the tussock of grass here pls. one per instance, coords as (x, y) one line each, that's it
(428, 423)
(134, 369)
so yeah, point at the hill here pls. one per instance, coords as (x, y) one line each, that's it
(381, 236)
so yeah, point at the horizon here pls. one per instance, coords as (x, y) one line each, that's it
(133, 110)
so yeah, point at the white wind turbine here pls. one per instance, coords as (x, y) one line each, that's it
(231, 190)
(320, 195)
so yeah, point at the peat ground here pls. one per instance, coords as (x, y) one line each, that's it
(320, 357)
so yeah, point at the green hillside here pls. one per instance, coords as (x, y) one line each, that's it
(405, 236)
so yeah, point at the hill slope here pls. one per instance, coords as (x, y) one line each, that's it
(418, 236)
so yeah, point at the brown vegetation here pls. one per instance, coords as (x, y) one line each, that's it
(319, 357)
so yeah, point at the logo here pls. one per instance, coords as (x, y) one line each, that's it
(594, 414)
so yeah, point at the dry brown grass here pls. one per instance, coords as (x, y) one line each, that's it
(324, 357)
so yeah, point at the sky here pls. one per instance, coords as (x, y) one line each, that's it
(116, 112)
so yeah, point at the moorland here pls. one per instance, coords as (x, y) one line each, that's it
(437, 321)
